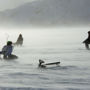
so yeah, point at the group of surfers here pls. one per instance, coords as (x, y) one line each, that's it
(8, 48)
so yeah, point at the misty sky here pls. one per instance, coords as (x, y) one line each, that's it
(9, 4)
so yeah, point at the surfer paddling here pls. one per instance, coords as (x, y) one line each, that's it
(7, 51)
(43, 64)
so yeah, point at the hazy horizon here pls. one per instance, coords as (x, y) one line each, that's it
(45, 13)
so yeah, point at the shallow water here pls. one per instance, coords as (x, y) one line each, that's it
(64, 45)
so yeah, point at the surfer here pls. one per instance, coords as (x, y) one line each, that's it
(87, 41)
(7, 51)
(43, 64)
(19, 40)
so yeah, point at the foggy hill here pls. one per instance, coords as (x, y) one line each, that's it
(48, 12)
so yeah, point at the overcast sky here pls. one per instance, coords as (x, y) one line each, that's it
(8, 4)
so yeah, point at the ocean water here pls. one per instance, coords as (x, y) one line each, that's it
(51, 45)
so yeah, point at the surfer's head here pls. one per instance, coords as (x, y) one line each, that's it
(88, 32)
(9, 42)
(41, 61)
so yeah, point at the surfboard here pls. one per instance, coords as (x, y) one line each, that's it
(43, 64)
(52, 63)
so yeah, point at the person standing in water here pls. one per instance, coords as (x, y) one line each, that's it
(19, 40)
(87, 41)
(7, 51)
